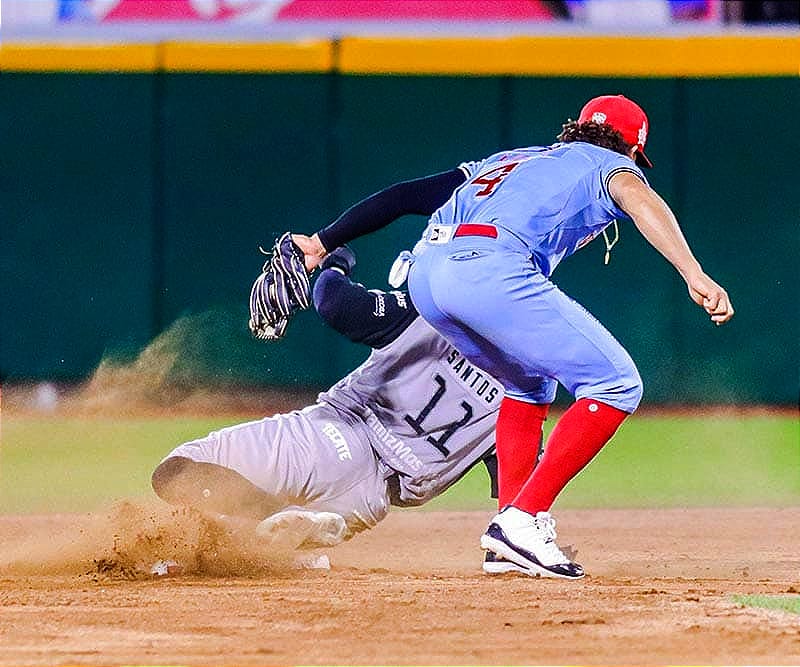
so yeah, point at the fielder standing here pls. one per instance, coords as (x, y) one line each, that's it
(481, 274)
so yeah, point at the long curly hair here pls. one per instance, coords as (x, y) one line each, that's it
(598, 134)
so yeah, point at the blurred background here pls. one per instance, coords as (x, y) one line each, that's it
(148, 147)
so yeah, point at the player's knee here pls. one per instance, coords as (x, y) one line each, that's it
(166, 476)
(632, 390)
(635, 393)
(624, 391)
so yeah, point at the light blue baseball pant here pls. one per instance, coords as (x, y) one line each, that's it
(488, 299)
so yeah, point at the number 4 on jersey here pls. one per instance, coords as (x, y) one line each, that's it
(492, 178)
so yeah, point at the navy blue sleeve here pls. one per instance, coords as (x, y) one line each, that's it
(372, 317)
(421, 196)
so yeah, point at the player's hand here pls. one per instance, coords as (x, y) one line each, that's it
(711, 297)
(312, 248)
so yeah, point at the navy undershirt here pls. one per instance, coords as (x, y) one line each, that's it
(421, 196)
(372, 317)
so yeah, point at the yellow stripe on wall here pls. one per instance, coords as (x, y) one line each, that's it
(79, 57)
(310, 56)
(574, 56)
(740, 55)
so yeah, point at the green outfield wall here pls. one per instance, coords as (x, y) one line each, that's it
(131, 198)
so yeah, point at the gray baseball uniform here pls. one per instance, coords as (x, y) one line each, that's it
(399, 429)
(317, 458)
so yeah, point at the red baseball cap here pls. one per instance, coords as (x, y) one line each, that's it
(625, 116)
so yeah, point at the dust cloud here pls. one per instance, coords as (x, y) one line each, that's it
(203, 363)
(128, 539)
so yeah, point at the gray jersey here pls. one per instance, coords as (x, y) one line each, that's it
(401, 428)
(429, 414)
(312, 458)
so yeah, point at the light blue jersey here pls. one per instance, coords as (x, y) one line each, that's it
(555, 199)
(481, 273)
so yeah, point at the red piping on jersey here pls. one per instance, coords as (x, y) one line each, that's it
(472, 229)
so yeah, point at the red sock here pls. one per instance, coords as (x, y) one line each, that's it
(577, 437)
(519, 434)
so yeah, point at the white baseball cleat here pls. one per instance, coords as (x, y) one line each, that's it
(495, 564)
(302, 529)
(529, 542)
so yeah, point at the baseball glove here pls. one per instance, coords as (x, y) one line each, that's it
(282, 289)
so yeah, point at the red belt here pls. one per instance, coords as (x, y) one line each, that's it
(472, 229)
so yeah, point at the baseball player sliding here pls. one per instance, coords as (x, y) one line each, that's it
(399, 430)
(480, 276)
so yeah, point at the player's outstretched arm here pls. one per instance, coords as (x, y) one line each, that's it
(421, 196)
(657, 223)
(372, 317)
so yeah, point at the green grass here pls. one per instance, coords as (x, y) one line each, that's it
(79, 464)
(790, 603)
(678, 461)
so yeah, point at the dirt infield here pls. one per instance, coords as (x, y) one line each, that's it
(658, 592)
